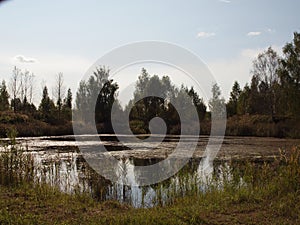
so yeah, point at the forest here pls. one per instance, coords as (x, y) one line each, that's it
(269, 105)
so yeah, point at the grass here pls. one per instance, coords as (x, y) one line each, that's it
(45, 205)
(241, 194)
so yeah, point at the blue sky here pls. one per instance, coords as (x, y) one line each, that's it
(69, 36)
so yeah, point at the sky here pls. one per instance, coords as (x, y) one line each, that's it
(48, 37)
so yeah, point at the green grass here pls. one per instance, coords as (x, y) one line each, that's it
(42, 204)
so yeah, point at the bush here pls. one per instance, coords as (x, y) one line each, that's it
(13, 118)
(262, 126)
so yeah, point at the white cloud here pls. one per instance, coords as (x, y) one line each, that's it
(205, 34)
(254, 33)
(225, 1)
(23, 59)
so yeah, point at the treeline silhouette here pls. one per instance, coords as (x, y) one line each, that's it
(268, 106)
(17, 111)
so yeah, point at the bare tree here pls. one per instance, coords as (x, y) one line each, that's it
(15, 86)
(27, 86)
(59, 92)
(30, 88)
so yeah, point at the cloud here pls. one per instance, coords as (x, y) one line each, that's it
(225, 1)
(254, 33)
(205, 34)
(23, 59)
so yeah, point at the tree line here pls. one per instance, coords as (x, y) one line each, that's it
(274, 91)
(17, 97)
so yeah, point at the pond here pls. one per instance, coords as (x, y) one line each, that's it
(58, 162)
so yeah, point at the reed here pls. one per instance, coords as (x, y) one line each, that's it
(235, 193)
(16, 166)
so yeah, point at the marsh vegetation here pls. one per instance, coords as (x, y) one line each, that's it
(71, 192)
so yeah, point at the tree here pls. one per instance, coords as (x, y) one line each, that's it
(4, 97)
(265, 69)
(47, 107)
(95, 97)
(21, 89)
(82, 101)
(68, 99)
(141, 84)
(255, 100)
(243, 106)
(151, 97)
(289, 73)
(67, 106)
(105, 102)
(59, 93)
(198, 103)
(217, 103)
(15, 86)
(26, 86)
(232, 105)
(158, 97)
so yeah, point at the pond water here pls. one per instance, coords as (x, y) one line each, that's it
(58, 162)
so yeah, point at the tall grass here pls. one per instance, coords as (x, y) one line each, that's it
(16, 166)
(238, 182)
(243, 181)
(187, 198)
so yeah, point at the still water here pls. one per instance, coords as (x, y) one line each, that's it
(58, 162)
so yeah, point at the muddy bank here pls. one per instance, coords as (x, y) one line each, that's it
(233, 148)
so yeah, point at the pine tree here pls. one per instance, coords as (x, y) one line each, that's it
(289, 74)
(67, 106)
(232, 105)
(47, 107)
(4, 97)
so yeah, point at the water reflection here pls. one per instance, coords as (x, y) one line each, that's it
(58, 162)
(72, 174)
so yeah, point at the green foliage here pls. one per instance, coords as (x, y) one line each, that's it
(265, 68)
(217, 103)
(4, 97)
(274, 91)
(289, 74)
(67, 106)
(95, 97)
(232, 105)
(15, 166)
(47, 107)
(198, 103)
(157, 97)
(275, 85)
